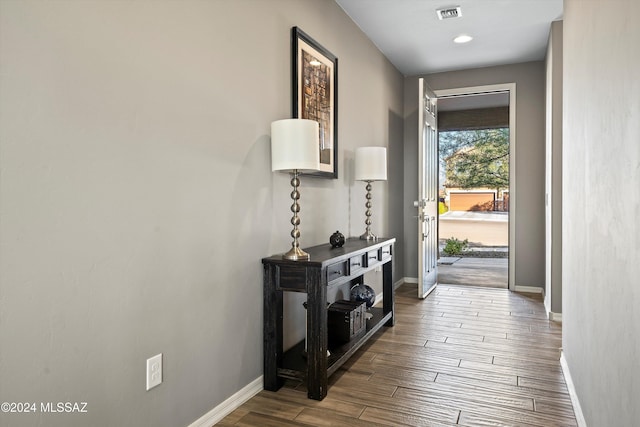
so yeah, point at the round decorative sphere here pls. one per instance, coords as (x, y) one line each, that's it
(363, 293)
(336, 239)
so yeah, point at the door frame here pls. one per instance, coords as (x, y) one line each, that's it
(511, 88)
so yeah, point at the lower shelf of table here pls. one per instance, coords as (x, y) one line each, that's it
(294, 364)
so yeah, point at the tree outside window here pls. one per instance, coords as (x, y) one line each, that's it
(475, 158)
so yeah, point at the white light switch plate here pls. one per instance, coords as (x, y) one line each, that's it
(154, 371)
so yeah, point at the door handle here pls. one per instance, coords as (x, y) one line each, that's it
(426, 235)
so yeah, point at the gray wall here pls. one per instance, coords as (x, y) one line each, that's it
(137, 197)
(601, 190)
(553, 172)
(530, 136)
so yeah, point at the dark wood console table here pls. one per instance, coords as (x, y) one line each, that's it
(327, 267)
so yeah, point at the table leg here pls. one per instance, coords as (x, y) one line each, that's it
(388, 303)
(317, 382)
(272, 337)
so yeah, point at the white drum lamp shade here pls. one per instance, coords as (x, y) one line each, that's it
(295, 145)
(371, 164)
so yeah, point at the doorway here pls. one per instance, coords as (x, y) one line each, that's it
(476, 128)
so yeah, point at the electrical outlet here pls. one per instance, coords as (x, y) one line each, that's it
(154, 371)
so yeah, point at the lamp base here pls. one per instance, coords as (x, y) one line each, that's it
(368, 235)
(296, 254)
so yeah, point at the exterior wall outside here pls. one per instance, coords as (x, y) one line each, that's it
(468, 200)
(600, 231)
(500, 201)
(137, 196)
(553, 172)
(529, 212)
(472, 201)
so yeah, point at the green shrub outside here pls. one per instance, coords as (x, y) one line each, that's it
(454, 246)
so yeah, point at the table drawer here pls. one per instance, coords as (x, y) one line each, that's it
(385, 252)
(291, 279)
(372, 257)
(336, 271)
(356, 264)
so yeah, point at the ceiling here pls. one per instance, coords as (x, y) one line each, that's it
(410, 35)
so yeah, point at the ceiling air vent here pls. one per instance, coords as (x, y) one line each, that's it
(450, 12)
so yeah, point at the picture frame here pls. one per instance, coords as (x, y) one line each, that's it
(314, 91)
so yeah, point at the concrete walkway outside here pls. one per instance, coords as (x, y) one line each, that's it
(486, 272)
(475, 216)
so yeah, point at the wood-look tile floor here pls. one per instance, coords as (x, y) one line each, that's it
(464, 356)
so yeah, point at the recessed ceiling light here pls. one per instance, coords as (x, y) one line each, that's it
(463, 38)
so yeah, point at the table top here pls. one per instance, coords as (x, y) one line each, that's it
(325, 254)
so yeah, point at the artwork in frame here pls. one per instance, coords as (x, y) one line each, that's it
(315, 95)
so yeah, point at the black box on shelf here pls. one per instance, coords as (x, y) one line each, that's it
(346, 320)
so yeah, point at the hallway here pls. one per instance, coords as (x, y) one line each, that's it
(464, 356)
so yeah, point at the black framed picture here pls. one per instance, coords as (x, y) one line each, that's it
(315, 95)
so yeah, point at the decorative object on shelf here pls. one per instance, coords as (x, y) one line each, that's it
(371, 165)
(337, 239)
(314, 72)
(294, 147)
(363, 293)
(345, 320)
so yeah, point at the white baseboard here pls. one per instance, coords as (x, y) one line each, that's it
(228, 406)
(410, 280)
(577, 409)
(530, 290)
(555, 317)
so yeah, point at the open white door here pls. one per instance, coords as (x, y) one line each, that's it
(427, 202)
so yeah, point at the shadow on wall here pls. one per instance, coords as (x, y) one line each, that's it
(251, 217)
